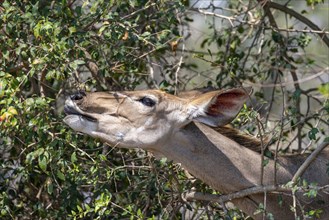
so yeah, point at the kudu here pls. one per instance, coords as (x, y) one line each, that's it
(183, 129)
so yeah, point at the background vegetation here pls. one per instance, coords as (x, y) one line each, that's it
(48, 49)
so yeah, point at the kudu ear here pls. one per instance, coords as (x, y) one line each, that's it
(218, 108)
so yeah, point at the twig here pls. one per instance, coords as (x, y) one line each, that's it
(70, 3)
(257, 35)
(280, 136)
(93, 69)
(151, 51)
(230, 19)
(298, 31)
(277, 74)
(306, 79)
(182, 53)
(308, 161)
(235, 195)
(38, 196)
(298, 107)
(294, 199)
(42, 81)
(265, 198)
(260, 131)
(138, 11)
(83, 152)
(191, 196)
(179, 67)
(292, 71)
(298, 16)
(315, 126)
(151, 73)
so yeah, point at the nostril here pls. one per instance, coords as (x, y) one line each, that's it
(78, 96)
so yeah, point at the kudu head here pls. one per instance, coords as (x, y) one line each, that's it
(146, 119)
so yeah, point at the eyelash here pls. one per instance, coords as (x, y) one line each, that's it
(147, 101)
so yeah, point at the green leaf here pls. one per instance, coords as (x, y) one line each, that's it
(277, 37)
(60, 175)
(296, 94)
(209, 51)
(43, 161)
(3, 212)
(326, 139)
(146, 34)
(79, 208)
(72, 30)
(33, 155)
(79, 62)
(219, 41)
(74, 157)
(265, 162)
(87, 207)
(101, 30)
(240, 29)
(324, 89)
(268, 153)
(312, 133)
(50, 188)
(139, 213)
(269, 216)
(312, 3)
(36, 30)
(204, 42)
(76, 63)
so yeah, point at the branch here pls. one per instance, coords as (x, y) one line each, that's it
(179, 67)
(42, 81)
(93, 69)
(308, 161)
(191, 196)
(138, 11)
(269, 4)
(236, 195)
(299, 17)
(306, 79)
(298, 31)
(230, 19)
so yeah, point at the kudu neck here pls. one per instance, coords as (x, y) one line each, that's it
(216, 159)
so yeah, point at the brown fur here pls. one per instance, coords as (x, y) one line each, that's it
(243, 139)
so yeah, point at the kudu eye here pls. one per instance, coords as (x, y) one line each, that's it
(147, 101)
(78, 96)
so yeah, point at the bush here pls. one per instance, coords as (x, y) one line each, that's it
(50, 48)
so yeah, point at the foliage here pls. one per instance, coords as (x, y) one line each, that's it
(50, 48)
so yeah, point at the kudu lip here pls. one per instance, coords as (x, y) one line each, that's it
(70, 108)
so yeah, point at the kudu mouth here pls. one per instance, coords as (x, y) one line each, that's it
(71, 108)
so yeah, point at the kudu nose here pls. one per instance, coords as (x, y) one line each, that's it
(78, 96)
